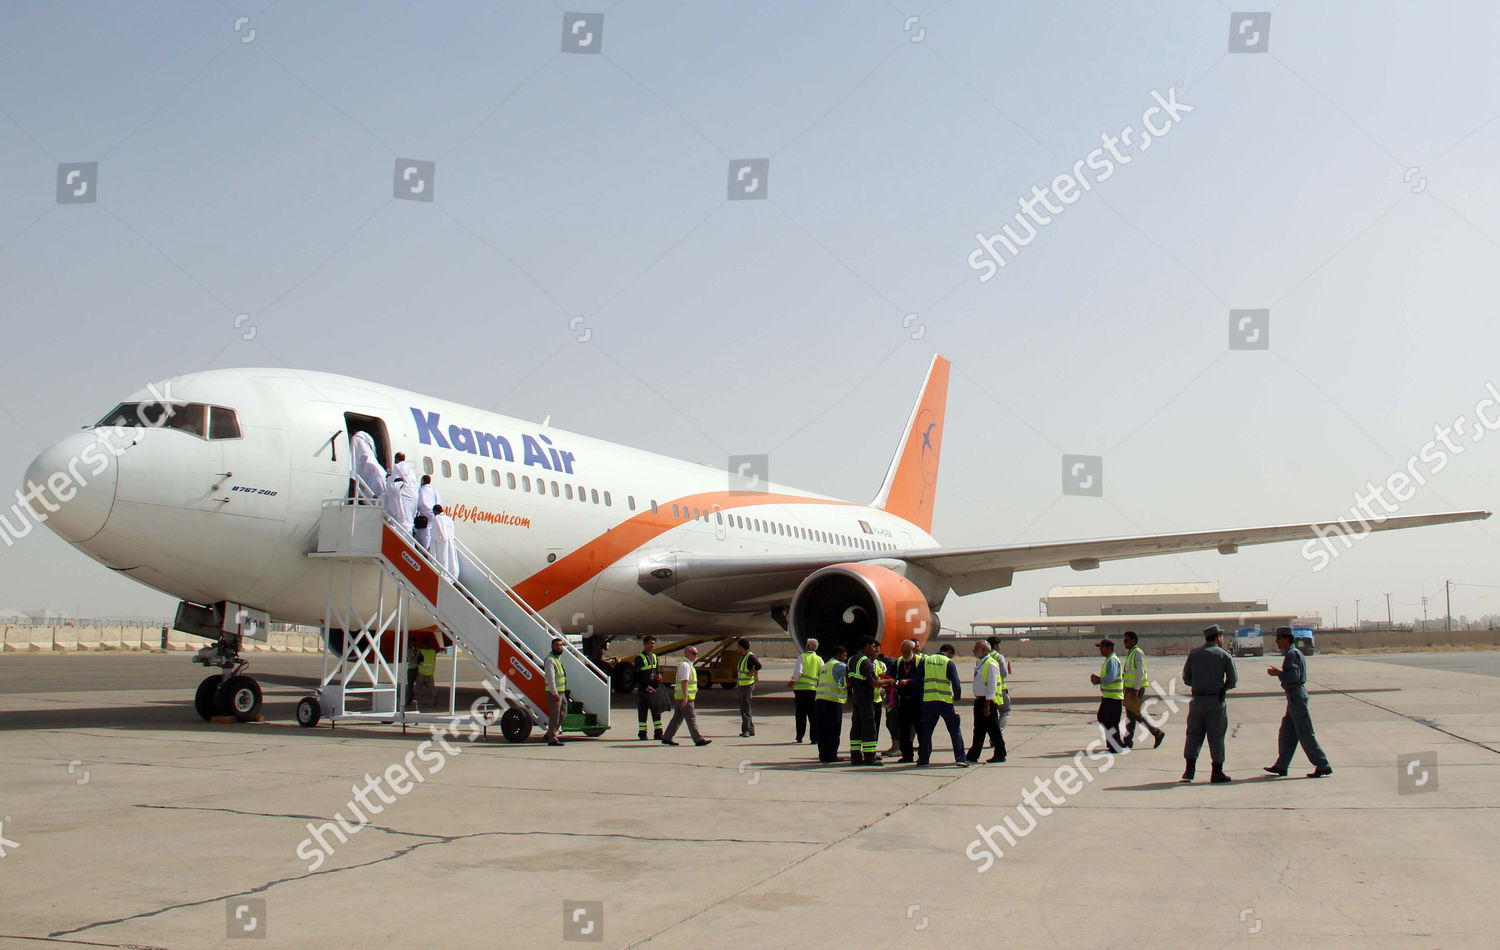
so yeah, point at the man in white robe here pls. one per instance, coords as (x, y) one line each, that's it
(400, 495)
(444, 545)
(365, 468)
(427, 498)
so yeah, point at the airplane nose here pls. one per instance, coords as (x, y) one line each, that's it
(71, 486)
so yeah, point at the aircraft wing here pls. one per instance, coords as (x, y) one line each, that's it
(736, 583)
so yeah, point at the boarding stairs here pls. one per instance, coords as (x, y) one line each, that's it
(505, 636)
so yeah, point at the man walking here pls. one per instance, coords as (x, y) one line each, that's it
(1135, 691)
(1003, 700)
(647, 682)
(1111, 683)
(908, 699)
(940, 690)
(1296, 723)
(988, 682)
(804, 687)
(685, 692)
(748, 673)
(829, 707)
(1210, 672)
(556, 680)
(861, 678)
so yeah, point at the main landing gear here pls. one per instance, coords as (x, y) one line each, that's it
(228, 692)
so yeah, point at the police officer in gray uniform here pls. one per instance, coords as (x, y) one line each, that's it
(1296, 725)
(1209, 670)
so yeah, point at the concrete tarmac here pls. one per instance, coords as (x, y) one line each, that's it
(127, 821)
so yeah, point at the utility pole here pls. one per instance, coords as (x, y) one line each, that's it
(1356, 613)
(1424, 611)
(1335, 616)
(1448, 588)
(1388, 621)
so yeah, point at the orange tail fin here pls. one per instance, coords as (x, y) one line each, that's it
(910, 486)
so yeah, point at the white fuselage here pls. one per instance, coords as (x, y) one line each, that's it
(210, 519)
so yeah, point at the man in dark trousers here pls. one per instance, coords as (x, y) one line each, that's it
(989, 683)
(1296, 724)
(747, 672)
(833, 693)
(940, 690)
(863, 679)
(804, 687)
(908, 699)
(1209, 670)
(647, 682)
(1111, 682)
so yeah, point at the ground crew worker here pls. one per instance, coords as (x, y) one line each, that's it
(647, 682)
(804, 687)
(426, 669)
(1004, 698)
(940, 690)
(685, 692)
(861, 679)
(556, 679)
(413, 663)
(829, 705)
(908, 699)
(1111, 683)
(988, 682)
(885, 702)
(1210, 672)
(1296, 723)
(748, 672)
(1135, 691)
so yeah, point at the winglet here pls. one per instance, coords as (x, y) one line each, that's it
(910, 485)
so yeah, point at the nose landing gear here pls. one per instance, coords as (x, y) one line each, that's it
(230, 692)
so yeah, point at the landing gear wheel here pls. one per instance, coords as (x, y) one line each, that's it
(203, 700)
(309, 711)
(515, 725)
(239, 697)
(593, 733)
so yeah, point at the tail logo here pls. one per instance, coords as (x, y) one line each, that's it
(932, 440)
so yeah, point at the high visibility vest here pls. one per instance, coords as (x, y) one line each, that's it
(993, 660)
(830, 689)
(1135, 668)
(879, 671)
(428, 666)
(691, 686)
(747, 675)
(648, 662)
(936, 687)
(559, 675)
(807, 671)
(1115, 690)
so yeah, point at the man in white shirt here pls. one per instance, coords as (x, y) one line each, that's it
(684, 694)
(1004, 700)
(400, 495)
(987, 683)
(427, 498)
(444, 545)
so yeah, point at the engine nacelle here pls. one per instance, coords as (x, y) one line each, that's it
(842, 604)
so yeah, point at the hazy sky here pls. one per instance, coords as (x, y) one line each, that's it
(1340, 174)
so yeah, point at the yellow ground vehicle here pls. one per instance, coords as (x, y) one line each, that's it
(719, 665)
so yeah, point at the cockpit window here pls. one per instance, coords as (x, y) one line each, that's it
(223, 423)
(194, 418)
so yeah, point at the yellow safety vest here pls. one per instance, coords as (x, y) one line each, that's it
(559, 675)
(807, 672)
(879, 690)
(1135, 668)
(747, 675)
(830, 689)
(648, 662)
(999, 673)
(691, 686)
(1115, 690)
(936, 687)
(428, 666)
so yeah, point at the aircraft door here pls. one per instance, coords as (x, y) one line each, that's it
(375, 427)
(720, 531)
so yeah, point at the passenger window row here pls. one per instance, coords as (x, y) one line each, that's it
(569, 492)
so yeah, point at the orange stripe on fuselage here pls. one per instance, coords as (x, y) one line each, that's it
(572, 571)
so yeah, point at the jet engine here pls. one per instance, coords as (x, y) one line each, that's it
(843, 604)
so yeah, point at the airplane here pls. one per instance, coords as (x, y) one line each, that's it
(211, 493)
